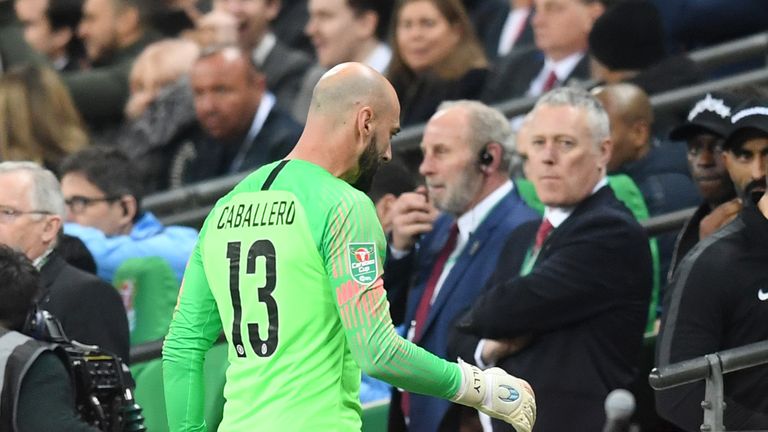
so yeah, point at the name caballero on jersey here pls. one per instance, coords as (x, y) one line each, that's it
(282, 212)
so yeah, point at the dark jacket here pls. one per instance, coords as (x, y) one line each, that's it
(284, 68)
(420, 97)
(200, 157)
(584, 305)
(718, 300)
(37, 392)
(90, 310)
(512, 75)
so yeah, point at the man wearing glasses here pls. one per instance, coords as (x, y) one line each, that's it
(31, 214)
(103, 197)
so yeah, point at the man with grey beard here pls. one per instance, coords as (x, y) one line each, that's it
(446, 236)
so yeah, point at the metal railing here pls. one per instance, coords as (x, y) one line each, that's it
(711, 369)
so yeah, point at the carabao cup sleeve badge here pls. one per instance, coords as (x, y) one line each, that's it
(362, 262)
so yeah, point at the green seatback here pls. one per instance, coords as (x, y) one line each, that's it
(149, 289)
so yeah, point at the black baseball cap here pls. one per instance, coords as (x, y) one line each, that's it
(711, 114)
(749, 120)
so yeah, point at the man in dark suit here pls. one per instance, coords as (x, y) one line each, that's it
(561, 29)
(468, 148)
(567, 305)
(283, 66)
(243, 129)
(31, 214)
(501, 33)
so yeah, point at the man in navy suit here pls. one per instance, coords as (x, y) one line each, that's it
(439, 261)
(567, 305)
(560, 29)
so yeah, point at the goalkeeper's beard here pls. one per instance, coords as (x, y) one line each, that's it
(368, 164)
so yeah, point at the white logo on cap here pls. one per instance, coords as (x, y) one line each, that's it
(749, 112)
(709, 103)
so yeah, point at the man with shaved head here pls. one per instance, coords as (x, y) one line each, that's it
(289, 266)
(658, 168)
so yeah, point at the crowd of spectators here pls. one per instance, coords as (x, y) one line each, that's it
(122, 98)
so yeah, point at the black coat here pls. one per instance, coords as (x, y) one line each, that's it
(200, 157)
(90, 309)
(585, 305)
(420, 97)
(513, 74)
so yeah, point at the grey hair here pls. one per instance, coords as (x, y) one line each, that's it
(597, 118)
(46, 193)
(486, 125)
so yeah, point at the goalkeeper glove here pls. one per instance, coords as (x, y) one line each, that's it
(498, 394)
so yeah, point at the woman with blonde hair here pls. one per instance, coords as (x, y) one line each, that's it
(38, 120)
(436, 56)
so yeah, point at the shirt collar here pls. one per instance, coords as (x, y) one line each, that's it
(558, 215)
(379, 57)
(470, 220)
(262, 50)
(265, 107)
(563, 67)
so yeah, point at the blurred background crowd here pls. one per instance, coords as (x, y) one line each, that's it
(125, 99)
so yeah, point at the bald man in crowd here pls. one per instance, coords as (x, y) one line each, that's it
(240, 126)
(307, 250)
(659, 169)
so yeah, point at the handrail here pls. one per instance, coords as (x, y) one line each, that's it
(697, 369)
(732, 51)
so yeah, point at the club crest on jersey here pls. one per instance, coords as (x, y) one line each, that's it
(362, 262)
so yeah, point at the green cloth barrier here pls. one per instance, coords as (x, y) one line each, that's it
(150, 396)
(149, 289)
(628, 193)
(376, 416)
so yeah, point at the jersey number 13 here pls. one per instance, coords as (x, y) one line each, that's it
(259, 248)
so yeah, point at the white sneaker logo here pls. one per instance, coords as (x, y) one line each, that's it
(762, 296)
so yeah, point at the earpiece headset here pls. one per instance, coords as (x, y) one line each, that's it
(485, 158)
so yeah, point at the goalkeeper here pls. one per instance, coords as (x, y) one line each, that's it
(289, 266)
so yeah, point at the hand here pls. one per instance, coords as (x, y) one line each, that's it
(412, 215)
(497, 394)
(720, 216)
(494, 350)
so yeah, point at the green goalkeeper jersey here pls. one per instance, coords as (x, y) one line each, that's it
(289, 265)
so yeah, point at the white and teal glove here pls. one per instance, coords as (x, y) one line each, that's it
(497, 394)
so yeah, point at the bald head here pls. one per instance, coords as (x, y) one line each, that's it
(348, 87)
(353, 115)
(631, 116)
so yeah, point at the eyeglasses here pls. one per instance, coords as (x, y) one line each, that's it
(78, 203)
(10, 214)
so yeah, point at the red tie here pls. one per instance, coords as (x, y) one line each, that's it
(426, 297)
(549, 82)
(544, 229)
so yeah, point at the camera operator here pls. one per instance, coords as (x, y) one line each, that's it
(37, 392)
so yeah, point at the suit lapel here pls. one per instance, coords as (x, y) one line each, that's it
(465, 260)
